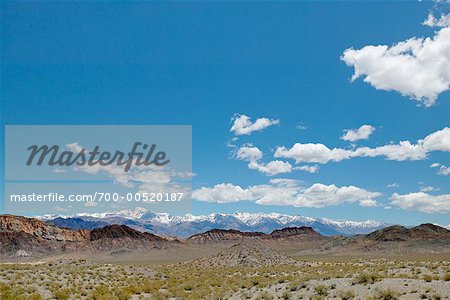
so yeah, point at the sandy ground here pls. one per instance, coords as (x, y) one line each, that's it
(403, 289)
(265, 275)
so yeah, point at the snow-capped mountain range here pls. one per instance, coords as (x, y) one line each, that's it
(185, 226)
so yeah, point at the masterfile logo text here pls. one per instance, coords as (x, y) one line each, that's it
(81, 168)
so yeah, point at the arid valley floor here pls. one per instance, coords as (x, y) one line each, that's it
(409, 278)
(41, 261)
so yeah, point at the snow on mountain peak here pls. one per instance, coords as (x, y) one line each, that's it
(188, 224)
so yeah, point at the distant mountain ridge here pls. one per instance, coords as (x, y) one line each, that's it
(77, 223)
(22, 237)
(188, 225)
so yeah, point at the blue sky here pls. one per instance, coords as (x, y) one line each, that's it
(200, 64)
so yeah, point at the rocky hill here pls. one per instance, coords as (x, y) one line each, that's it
(302, 233)
(24, 237)
(29, 237)
(122, 239)
(428, 230)
(395, 240)
(224, 235)
(245, 255)
(400, 233)
(122, 232)
(231, 235)
(39, 229)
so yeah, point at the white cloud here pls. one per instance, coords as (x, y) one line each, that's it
(144, 178)
(287, 192)
(368, 203)
(242, 124)
(308, 168)
(90, 204)
(443, 169)
(428, 188)
(284, 182)
(249, 152)
(442, 20)
(271, 168)
(393, 185)
(404, 150)
(422, 202)
(313, 153)
(74, 147)
(253, 155)
(418, 68)
(222, 193)
(437, 141)
(301, 127)
(230, 142)
(59, 171)
(361, 133)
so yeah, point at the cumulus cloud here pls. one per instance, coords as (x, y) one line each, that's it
(418, 68)
(222, 193)
(313, 153)
(143, 178)
(242, 124)
(437, 141)
(308, 168)
(442, 169)
(404, 150)
(253, 156)
(287, 192)
(271, 168)
(249, 152)
(368, 203)
(361, 133)
(428, 188)
(422, 202)
(442, 20)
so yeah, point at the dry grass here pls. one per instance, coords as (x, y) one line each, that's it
(314, 279)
